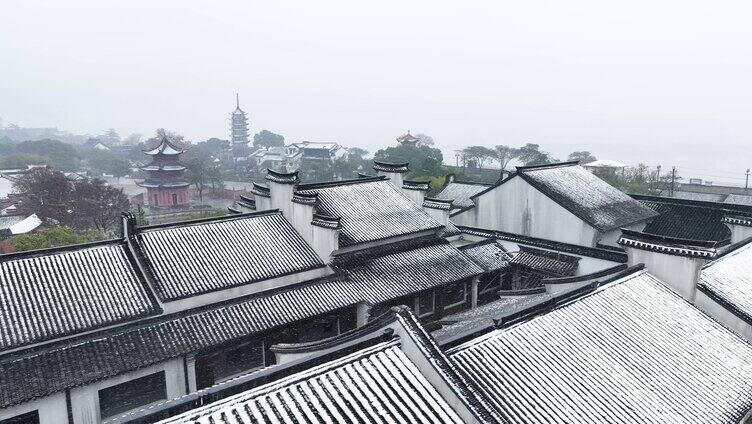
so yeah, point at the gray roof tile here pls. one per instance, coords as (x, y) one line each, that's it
(191, 259)
(729, 280)
(461, 192)
(45, 295)
(632, 351)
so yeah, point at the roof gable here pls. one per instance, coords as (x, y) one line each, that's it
(461, 192)
(728, 279)
(585, 195)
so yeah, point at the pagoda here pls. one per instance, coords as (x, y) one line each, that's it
(165, 182)
(408, 139)
(238, 125)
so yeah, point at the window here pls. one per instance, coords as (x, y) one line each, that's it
(225, 364)
(174, 199)
(319, 328)
(27, 418)
(156, 200)
(455, 294)
(132, 394)
(424, 304)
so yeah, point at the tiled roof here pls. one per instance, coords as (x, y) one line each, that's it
(7, 221)
(191, 259)
(461, 192)
(632, 351)
(373, 385)
(405, 268)
(371, 209)
(738, 199)
(585, 195)
(488, 254)
(551, 263)
(691, 195)
(728, 280)
(45, 295)
(686, 220)
(61, 366)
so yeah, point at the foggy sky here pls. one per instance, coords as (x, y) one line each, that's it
(642, 81)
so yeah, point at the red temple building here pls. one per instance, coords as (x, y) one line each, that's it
(165, 183)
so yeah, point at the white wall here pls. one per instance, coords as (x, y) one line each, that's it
(263, 203)
(739, 232)
(611, 238)
(680, 273)
(52, 409)
(440, 215)
(85, 400)
(416, 196)
(517, 207)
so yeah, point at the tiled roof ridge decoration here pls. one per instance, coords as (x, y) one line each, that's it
(282, 177)
(550, 254)
(305, 198)
(577, 278)
(667, 245)
(391, 167)
(468, 182)
(440, 204)
(593, 252)
(328, 184)
(326, 221)
(416, 185)
(738, 220)
(364, 175)
(260, 190)
(390, 248)
(731, 207)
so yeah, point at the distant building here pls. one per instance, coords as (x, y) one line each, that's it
(408, 139)
(165, 184)
(238, 125)
(318, 150)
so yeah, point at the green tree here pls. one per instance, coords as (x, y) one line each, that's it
(97, 205)
(583, 157)
(530, 154)
(46, 193)
(267, 138)
(504, 154)
(479, 154)
(424, 160)
(53, 237)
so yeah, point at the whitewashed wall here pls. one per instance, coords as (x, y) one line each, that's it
(416, 196)
(52, 409)
(85, 400)
(680, 273)
(517, 207)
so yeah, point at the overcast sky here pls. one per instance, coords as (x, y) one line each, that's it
(641, 81)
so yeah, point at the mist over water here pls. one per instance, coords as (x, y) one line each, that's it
(655, 82)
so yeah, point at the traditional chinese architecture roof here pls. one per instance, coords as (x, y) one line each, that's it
(686, 219)
(374, 384)
(62, 365)
(461, 192)
(371, 209)
(187, 259)
(404, 268)
(738, 199)
(50, 294)
(390, 167)
(165, 147)
(408, 138)
(488, 254)
(243, 204)
(438, 204)
(416, 185)
(670, 245)
(585, 195)
(576, 363)
(544, 261)
(728, 280)
(282, 177)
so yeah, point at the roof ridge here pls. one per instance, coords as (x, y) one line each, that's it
(547, 165)
(59, 249)
(190, 222)
(328, 184)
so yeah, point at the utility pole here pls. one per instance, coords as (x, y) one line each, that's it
(658, 179)
(673, 180)
(746, 183)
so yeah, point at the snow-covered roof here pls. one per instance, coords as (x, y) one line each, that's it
(604, 163)
(585, 195)
(26, 225)
(631, 351)
(164, 147)
(195, 258)
(461, 192)
(371, 209)
(728, 279)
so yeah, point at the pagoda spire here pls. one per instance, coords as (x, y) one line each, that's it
(237, 101)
